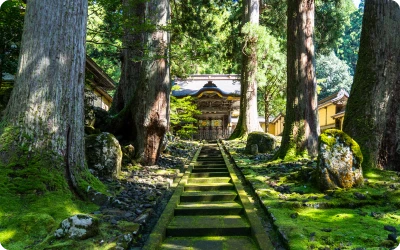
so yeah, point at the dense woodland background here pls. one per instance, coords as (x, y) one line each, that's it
(289, 55)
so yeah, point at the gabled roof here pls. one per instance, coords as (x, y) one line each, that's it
(335, 97)
(277, 117)
(101, 79)
(194, 85)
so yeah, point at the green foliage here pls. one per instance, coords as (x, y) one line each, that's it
(331, 17)
(271, 77)
(333, 74)
(204, 37)
(348, 44)
(182, 115)
(273, 17)
(11, 24)
(104, 32)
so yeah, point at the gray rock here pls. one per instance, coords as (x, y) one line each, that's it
(144, 216)
(103, 154)
(390, 228)
(79, 226)
(392, 237)
(254, 149)
(97, 197)
(265, 142)
(339, 161)
(360, 196)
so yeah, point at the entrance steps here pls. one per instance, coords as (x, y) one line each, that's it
(209, 210)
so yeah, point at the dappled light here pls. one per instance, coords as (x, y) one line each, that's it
(215, 125)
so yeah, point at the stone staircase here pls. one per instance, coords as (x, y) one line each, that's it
(209, 213)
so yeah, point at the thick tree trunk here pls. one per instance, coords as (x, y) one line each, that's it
(152, 120)
(373, 110)
(143, 94)
(300, 134)
(43, 127)
(131, 56)
(248, 117)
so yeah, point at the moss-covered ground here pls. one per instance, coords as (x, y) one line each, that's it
(307, 218)
(27, 221)
(29, 214)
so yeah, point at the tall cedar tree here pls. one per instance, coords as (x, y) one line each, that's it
(300, 134)
(248, 117)
(42, 129)
(142, 97)
(373, 110)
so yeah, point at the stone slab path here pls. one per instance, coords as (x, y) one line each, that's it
(209, 210)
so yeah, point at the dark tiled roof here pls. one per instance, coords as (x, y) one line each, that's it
(195, 84)
(334, 97)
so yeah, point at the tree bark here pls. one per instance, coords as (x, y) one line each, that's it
(300, 134)
(131, 55)
(248, 117)
(373, 110)
(143, 95)
(151, 118)
(43, 127)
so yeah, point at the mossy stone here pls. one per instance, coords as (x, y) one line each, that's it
(80, 227)
(265, 142)
(104, 154)
(339, 161)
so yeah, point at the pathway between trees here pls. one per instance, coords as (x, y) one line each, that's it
(209, 210)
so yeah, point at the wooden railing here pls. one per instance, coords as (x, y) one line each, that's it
(212, 134)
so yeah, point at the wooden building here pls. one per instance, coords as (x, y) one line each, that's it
(218, 99)
(330, 113)
(99, 83)
(275, 127)
(331, 110)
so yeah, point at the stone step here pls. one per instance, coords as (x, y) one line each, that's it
(203, 196)
(209, 243)
(208, 225)
(205, 156)
(210, 180)
(209, 165)
(209, 174)
(202, 170)
(208, 208)
(218, 157)
(206, 163)
(208, 160)
(209, 187)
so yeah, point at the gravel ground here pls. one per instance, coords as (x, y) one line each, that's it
(141, 196)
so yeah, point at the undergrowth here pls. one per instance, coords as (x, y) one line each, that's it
(307, 218)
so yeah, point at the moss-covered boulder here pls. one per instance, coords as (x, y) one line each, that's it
(264, 141)
(339, 161)
(103, 154)
(128, 154)
(78, 227)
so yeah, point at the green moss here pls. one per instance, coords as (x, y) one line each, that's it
(349, 219)
(329, 138)
(34, 193)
